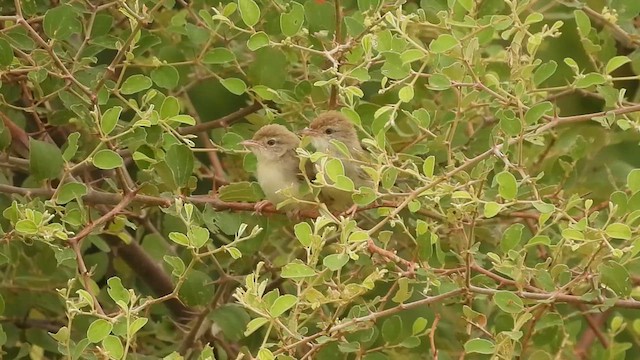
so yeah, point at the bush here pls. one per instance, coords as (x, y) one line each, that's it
(503, 144)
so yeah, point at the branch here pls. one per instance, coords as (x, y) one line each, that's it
(151, 273)
(375, 249)
(374, 316)
(562, 298)
(223, 121)
(586, 340)
(126, 200)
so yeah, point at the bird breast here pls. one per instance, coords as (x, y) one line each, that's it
(274, 177)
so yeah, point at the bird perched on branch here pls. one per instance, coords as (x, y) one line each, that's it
(278, 168)
(324, 129)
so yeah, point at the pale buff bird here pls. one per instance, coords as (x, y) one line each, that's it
(332, 125)
(278, 167)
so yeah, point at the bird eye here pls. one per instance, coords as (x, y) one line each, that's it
(271, 142)
(328, 131)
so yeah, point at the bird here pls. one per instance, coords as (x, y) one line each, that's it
(333, 125)
(278, 167)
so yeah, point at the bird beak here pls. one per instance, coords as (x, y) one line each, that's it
(308, 132)
(250, 144)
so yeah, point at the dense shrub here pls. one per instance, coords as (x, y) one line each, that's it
(502, 139)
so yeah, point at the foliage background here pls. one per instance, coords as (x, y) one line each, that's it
(503, 136)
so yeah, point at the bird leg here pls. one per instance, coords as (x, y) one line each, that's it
(261, 205)
(351, 211)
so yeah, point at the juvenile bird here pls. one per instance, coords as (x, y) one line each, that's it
(332, 125)
(278, 167)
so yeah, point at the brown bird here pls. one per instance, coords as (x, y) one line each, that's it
(278, 168)
(329, 126)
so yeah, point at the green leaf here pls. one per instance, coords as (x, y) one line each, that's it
(175, 262)
(234, 85)
(615, 62)
(618, 231)
(61, 22)
(282, 304)
(544, 71)
(633, 180)
(134, 84)
(303, 233)
(170, 108)
(179, 238)
(254, 325)
(98, 330)
(6, 53)
(218, 56)
(27, 227)
(358, 236)
(110, 119)
(511, 237)
(70, 191)
(537, 111)
(583, 23)
(183, 119)
(615, 277)
(491, 209)
(439, 82)
(291, 22)
(507, 185)
(107, 159)
(240, 191)
(297, 270)
(1, 305)
(249, 12)
(335, 262)
(71, 147)
(543, 207)
(572, 234)
(136, 325)
(419, 325)
(45, 160)
(166, 77)
(113, 346)
(392, 329)
(265, 354)
(258, 40)
(116, 291)
(198, 236)
(508, 302)
(466, 4)
(443, 43)
(406, 93)
(480, 346)
(428, 166)
(179, 158)
(590, 79)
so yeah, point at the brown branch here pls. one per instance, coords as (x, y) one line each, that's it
(560, 298)
(375, 249)
(432, 336)
(221, 122)
(77, 240)
(594, 331)
(85, 276)
(373, 317)
(126, 200)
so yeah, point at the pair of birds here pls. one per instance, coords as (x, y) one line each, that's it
(278, 164)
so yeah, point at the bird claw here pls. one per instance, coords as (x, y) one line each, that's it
(260, 206)
(295, 214)
(351, 211)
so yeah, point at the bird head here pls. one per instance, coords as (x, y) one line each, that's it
(328, 126)
(272, 142)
